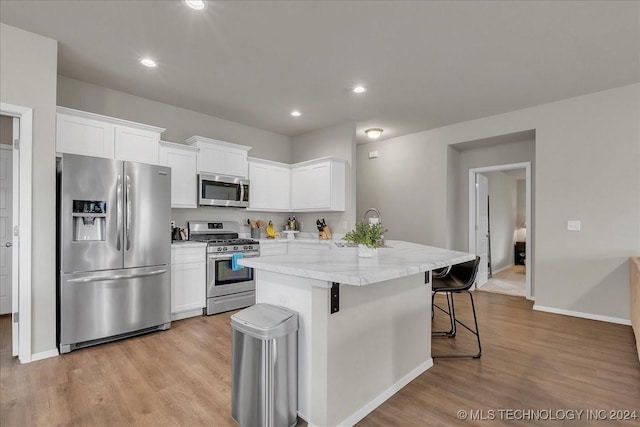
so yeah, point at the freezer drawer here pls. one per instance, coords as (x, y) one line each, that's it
(98, 305)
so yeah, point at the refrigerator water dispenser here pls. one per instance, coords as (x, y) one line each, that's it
(89, 220)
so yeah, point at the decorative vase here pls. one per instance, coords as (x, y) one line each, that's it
(365, 251)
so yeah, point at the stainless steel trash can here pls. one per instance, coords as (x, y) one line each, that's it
(264, 390)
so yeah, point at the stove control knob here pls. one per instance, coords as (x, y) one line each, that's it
(219, 249)
(245, 247)
(225, 248)
(235, 248)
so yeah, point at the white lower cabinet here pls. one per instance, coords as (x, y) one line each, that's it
(188, 281)
(273, 248)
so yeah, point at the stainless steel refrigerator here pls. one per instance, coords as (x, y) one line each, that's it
(114, 250)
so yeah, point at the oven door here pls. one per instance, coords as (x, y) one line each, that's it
(218, 190)
(223, 280)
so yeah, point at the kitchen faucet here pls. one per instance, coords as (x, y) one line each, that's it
(375, 211)
(378, 216)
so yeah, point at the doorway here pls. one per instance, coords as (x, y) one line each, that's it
(20, 228)
(513, 241)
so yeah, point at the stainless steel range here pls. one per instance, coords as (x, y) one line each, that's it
(227, 289)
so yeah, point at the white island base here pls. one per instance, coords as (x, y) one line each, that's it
(351, 361)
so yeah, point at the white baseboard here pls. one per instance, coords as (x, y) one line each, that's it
(382, 397)
(44, 354)
(186, 314)
(582, 315)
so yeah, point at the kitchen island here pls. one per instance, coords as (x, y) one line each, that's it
(365, 323)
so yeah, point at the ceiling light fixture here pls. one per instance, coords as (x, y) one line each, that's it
(196, 4)
(373, 133)
(296, 113)
(359, 89)
(148, 62)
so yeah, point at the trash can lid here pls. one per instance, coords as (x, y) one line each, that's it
(265, 321)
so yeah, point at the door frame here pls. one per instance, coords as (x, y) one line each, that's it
(22, 243)
(529, 230)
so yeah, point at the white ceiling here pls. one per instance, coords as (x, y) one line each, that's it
(426, 64)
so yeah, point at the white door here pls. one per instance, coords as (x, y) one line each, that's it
(482, 227)
(6, 224)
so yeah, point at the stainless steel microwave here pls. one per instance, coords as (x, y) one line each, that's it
(220, 190)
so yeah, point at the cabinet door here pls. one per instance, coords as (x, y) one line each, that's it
(259, 188)
(211, 159)
(183, 175)
(78, 135)
(187, 287)
(301, 188)
(279, 188)
(136, 145)
(320, 178)
(235, 163)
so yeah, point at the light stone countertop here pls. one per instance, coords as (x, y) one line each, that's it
(189, 243)
(343, 265)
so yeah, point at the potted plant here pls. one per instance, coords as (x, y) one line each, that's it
(368, 237)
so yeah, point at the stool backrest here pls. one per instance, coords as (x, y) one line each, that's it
(466, 272)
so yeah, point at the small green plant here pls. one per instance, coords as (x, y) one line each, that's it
(366, 234)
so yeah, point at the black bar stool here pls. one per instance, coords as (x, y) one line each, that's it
(459, 278)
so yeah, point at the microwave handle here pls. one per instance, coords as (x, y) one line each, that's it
(241, 193)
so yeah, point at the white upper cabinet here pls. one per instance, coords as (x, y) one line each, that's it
(318, 185)
(270, 185)
(219, 157)
(136, 145)
(182, 161)
(79, 132)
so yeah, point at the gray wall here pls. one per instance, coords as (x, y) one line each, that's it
(180, 124)
(587, 153)
(503, 198)
(492, 155)
(28, 69)
(408, 184)
(338, 141)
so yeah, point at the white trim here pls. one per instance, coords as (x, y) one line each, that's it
(472, 212)
(6, 147)
(186, 314)
(45, 355)
(24, 223)
(107, 119)
(382, 397)
(195, 139)
(580, 314)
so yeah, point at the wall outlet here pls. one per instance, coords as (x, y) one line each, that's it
(574, 225)
(373, 154)
(173, 224)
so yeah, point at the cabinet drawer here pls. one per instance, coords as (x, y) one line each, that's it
(185, 255)
(273, 249)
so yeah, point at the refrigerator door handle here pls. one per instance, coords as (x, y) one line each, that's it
(119, 211)
(117, 277)
(127, 225)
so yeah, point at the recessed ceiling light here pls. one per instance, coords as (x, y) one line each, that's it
(296, 113)
(196, 4)
(359, 89)
(148, 62)
(373, 133)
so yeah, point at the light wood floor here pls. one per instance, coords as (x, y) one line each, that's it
(181, 377)
(510, 281)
